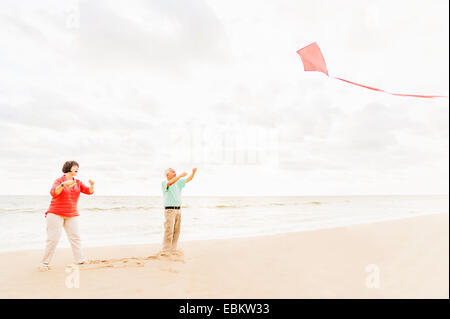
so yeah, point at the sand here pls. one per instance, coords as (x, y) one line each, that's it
(409, 258)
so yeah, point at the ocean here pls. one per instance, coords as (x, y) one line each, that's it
(128, 220)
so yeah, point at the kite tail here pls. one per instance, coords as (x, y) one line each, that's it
(397, 94)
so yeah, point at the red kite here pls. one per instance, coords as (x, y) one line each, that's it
(313, 60)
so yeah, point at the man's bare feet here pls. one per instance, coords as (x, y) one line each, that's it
(86, 262)
(164, 253)
(178, 253)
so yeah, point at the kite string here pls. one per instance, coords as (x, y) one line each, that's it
(397, 94)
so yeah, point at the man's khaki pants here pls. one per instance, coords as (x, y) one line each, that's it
(171, 229)
(55, 223)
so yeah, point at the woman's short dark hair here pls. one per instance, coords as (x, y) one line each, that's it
(68, 166)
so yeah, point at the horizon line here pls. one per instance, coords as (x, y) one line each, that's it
(263, 195)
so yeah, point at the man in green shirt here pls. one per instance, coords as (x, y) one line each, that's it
(171, 189)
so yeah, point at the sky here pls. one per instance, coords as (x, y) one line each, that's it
(129, 88)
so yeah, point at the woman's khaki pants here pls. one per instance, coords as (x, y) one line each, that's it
(55, 223)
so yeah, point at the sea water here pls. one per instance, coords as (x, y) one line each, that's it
(128, 220)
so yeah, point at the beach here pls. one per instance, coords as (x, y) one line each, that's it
(403, 258)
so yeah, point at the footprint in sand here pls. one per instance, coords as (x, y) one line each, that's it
(126, 262)
(171, 270)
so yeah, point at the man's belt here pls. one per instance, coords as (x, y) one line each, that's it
(172, 207)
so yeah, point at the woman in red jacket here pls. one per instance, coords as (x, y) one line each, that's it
(63, 213)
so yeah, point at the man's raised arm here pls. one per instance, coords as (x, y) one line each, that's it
(191, 176)
(175, 179)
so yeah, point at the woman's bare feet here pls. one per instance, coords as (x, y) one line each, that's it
(43, 268)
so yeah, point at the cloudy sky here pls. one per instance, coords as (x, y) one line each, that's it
(128, 88)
